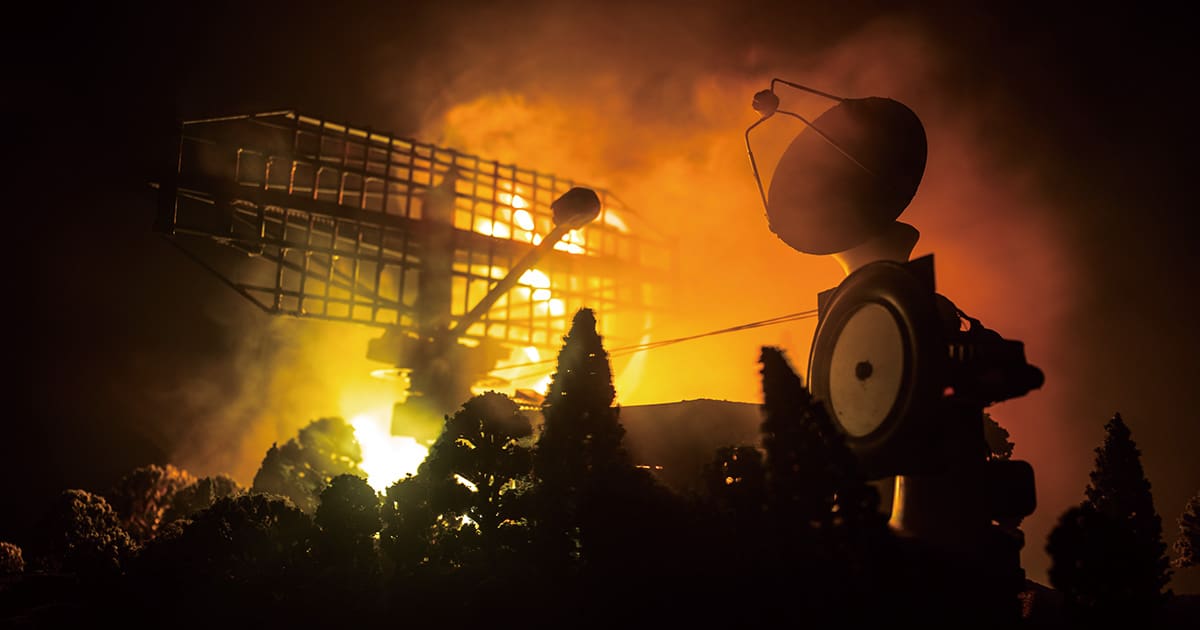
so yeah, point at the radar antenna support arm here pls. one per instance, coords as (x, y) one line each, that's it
(574, 209)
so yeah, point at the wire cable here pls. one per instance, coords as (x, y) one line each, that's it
(651, 345)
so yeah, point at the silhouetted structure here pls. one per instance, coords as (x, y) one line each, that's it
(999, 446)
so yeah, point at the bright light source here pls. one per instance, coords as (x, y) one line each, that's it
(572, 243)
(614, 220)
(523, 220)
(387, 458)
(466, 482)
(535, 278)
(492, 228)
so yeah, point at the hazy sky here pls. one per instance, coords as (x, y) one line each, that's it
(1057, 201)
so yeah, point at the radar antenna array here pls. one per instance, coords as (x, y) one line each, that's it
(461, 261)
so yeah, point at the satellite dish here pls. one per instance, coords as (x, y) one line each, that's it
(845, 178)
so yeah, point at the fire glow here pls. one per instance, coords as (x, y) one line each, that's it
(387, 458)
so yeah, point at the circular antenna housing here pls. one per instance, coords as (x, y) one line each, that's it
(846, 178)
(576, 208)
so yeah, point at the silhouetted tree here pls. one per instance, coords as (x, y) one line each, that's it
(486, 445)
(1108, 558)
(303, 466)
(812, 477)
(142, 497)
(349, 519)
(12, 562)
(999, 446)
(736, 481)
(1187, 546)
(822, 514)
(200, 495)
(420, 532)
(345, 553)
(249, 553)
(1093, 558)
(1119, 490)
(82, 534)
(580, 440)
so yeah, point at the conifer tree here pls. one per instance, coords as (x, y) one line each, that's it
(810, 470)
(1187, 546)
(1119, 490)
(1092, 556)
(1108, 558)
(580, 440)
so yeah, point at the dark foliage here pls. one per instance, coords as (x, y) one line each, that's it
(495, 529)
(736, 482)
(12, 561)
(579, 444)
(1187, 546)
(250, 553)
(485, 447)
(1093, 559)
(1120, 490)
(1107, 555)
(345, 555)
(812, 477)
(81, 534)
(200, 495)
(303, 466)
(142, 497)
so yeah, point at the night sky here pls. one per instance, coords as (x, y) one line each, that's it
(1059, 199)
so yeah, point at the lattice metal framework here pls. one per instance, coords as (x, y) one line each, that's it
(332, 215)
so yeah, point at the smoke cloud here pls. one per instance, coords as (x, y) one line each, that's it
(651, 103)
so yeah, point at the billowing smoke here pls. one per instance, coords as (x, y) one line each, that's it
(653, 106)
(660, 122)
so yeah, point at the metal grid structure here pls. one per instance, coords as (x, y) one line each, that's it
(332, 218)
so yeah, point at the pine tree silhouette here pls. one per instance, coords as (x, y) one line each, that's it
(580, 441)
(1108, 558)
(1187, 546)
(1120, 490)
(812, 477)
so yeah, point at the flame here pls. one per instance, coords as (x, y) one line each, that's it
(612, 219)
(572, 243)
(387, 458)
(540, 282)
(492, 228)
(524, 220)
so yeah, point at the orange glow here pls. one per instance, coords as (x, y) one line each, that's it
(387, 458)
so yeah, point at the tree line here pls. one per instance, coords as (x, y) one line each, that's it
(509, 523)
